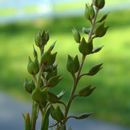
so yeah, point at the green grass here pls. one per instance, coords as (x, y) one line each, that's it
(110, 101)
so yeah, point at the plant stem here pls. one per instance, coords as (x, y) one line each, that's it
(77, 78)
(35, 106)
(34, 115)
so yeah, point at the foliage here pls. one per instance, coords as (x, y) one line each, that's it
(44, 72)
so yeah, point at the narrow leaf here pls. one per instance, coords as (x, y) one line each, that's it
(94, 70)
(86, 91)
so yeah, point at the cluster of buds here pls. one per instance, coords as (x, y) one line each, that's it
(44, 77)
(44, 72)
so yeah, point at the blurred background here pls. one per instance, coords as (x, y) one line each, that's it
(20, 20)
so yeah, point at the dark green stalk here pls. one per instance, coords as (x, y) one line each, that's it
(77, 78)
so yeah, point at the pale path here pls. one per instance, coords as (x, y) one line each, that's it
(11, 117)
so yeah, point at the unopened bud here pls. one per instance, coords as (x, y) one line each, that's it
(99, 3)
(33, 67)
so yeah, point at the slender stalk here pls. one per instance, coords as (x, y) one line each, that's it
(77, 78)
(35, 106)
(34, 115)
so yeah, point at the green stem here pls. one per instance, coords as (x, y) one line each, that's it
(77, 78)
(34, 115)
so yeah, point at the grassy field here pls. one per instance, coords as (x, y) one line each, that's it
(111, 98)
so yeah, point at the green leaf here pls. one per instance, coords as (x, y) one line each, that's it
(54, 81)
(97, 49)
(41, 84)
(51, 74)
(27, 121)
(83, 116)
(86, 91)
(45, 120)
(94, 70)
(59, 113)
(35, 52)
(52, 58)
(48, 58)
(39, 96)
(76, 64)
(53, 113)
(56, 113)
(85, 48)
(100, 30)
(102, 18)
(52, 98)
(86, 30)
(70, 64)
(89, 12)
(51, 47)
(76, 35)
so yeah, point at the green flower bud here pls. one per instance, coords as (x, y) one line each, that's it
(99, 3)
(89, 12)
(73, 64)
(42, 38)
(76, 35)
(33, 67)
(85, 48)
(29, 85)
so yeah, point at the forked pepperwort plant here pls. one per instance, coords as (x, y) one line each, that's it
(44, 72)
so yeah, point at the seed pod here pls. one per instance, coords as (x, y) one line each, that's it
(89, 12)
(99, 3)
(33, 67)
(29, 85)
(76, 35)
